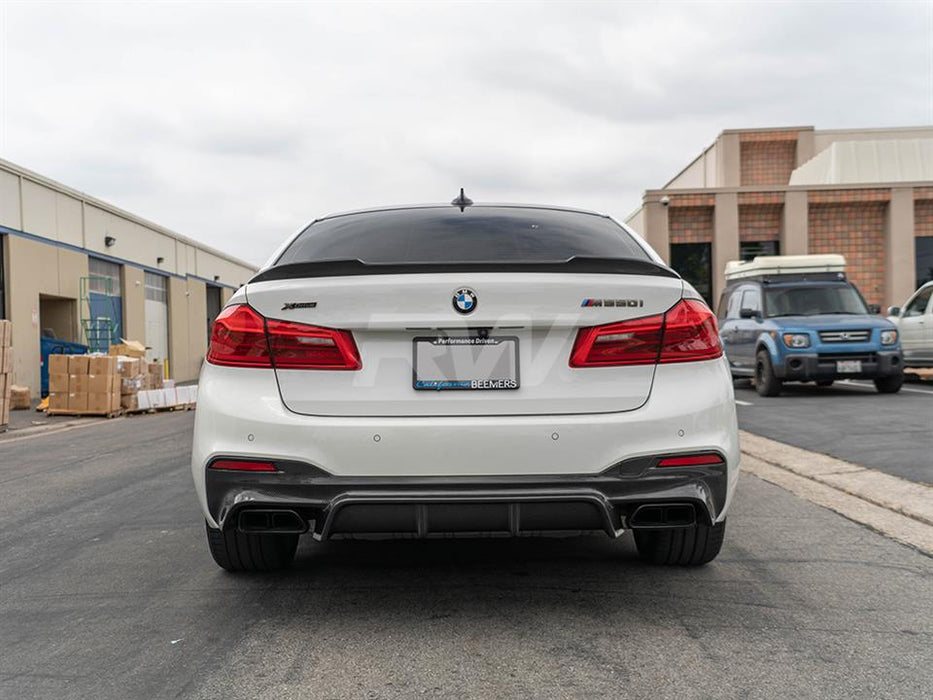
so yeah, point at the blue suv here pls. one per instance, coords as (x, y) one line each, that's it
(806, 327)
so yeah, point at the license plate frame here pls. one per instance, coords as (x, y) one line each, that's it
(507, 383)
(849, 366)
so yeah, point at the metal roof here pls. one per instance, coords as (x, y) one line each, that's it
(856, 162)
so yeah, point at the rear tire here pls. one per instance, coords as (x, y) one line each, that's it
(766, 384)
(238, 551)
(889, 385)
(682, 546)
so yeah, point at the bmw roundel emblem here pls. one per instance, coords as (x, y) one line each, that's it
(464, 301)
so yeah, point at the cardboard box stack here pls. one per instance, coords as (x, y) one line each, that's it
(139, 379)
(133, 379)
(84, 384)
(6, 371)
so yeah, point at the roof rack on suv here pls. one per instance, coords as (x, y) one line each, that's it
(787, 267)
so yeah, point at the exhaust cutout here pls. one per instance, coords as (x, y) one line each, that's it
(663, 515)
(277, 521)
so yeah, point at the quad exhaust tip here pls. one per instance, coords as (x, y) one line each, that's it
(663, 515)
(272, 521)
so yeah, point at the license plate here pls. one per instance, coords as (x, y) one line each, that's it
(849, 366)
(465, 362)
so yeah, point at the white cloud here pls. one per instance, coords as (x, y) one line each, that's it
(234, 123)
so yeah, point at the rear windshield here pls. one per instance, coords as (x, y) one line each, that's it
(476, 235)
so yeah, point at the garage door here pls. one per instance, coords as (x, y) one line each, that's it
(105, 304)
(156, 317)
(213, 308)
(2, 282)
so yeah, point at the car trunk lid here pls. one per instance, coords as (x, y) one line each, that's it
(387, 312)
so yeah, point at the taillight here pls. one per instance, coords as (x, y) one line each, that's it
(242, 465)
(687, 332)
(238, 338)
(690, 333)
(241, 337)
(298, 346)
(627, 343)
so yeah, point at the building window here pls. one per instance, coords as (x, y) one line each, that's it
(924, 253)
(104, 277)
(156, 287)
(694, 263)
(750, 249)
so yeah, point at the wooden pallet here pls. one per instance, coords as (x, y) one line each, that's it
(85, 414)
(160, 409)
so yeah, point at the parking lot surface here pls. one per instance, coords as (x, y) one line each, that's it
(850, 421)
(107, 591)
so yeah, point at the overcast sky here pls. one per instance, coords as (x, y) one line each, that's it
(235, 123)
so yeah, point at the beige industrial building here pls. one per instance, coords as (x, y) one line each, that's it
(867, 194)
(77, 269)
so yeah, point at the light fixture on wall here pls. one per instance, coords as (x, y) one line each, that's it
(109, 241)
(217, 278)
(160, 260)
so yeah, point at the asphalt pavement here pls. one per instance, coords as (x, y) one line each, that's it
(850, 421)
(107, 591)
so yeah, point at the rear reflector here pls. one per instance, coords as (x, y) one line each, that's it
(687, 332)
(691, 460)
(241, 337)
(243, 465)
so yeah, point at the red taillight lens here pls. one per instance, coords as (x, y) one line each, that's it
(238, 339)
(633, 342)
(690, 333)
(242, 338)
(298, 346)
(691, 460)
(243, 465)
(687, 332)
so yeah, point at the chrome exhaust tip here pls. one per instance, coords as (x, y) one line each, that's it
(271, 521)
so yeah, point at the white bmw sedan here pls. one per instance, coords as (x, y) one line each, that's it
(466, 370)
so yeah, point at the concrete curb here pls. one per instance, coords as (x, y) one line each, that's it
(900, 509)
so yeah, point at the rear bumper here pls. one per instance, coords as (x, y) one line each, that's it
(418, 460)
(810, 366)
(445, 506)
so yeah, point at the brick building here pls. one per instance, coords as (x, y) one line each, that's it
(867, 194)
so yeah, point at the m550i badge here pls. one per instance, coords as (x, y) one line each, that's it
(625, 303)
(299, 305)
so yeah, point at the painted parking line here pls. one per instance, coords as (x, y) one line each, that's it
(867, 385)
(744, 403)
